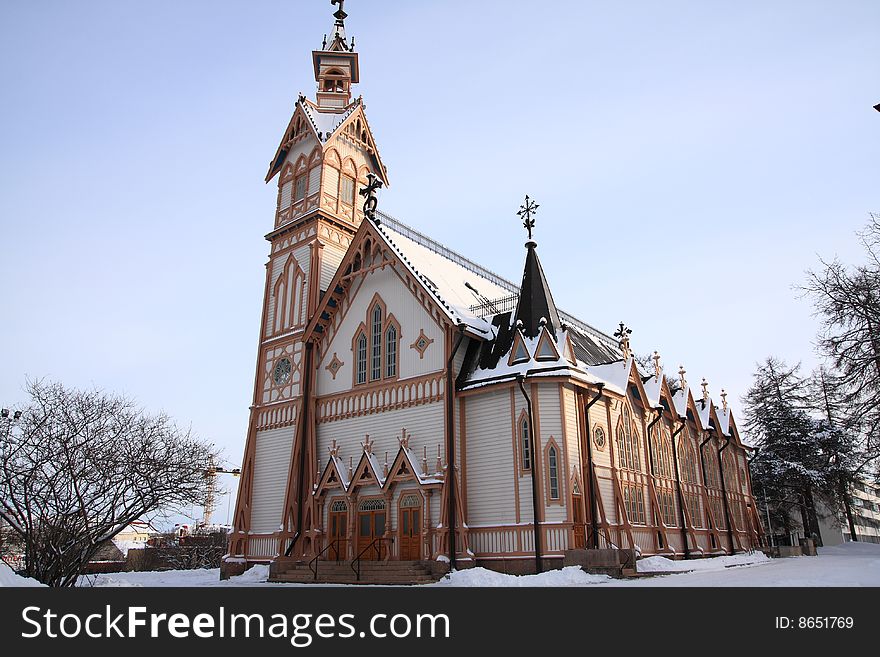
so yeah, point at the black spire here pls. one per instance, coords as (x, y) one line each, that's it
(535, 301)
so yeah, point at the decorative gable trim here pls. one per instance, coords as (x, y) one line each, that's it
(546, 349)
(519, 353)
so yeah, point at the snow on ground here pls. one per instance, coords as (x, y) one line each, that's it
(568, 576)
(658, 565)
(851, 564)
(9, 578)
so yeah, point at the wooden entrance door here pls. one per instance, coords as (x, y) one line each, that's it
(338, 521)
(410, 527)
(371, 526)
(578, 524)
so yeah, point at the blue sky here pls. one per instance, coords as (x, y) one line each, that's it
(691, 160)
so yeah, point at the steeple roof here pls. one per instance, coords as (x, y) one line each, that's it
(535, 300)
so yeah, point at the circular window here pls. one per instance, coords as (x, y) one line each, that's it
(599, 437)
(281, 373)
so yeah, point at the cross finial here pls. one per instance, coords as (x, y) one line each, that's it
(657, 369)
(334, 449)
(723, 399)
(705, 386)
(369, 194)
(367, 444)
(622, 334)
(526, 210)
(681, 373)
(340, 14)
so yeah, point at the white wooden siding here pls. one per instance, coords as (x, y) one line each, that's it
(412, 318)
(490, 465)
(332, 255)
(550, 424)
(286, 195)
(424, 424)
(271, 465)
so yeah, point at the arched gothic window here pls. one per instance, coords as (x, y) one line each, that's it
(628, 441)
(553, 472)
(361, 358)
(391, 351)
(525, 443)
(376, 358)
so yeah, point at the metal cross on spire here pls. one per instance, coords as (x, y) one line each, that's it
(657, 369)
(681, 373)
(622, 334)
(705, 386)
(340, 14)
(526, 210)
(723, 399)
(369, 194)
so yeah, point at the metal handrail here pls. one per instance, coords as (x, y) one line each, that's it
(629, 563)
(331, 544)
(356, 562)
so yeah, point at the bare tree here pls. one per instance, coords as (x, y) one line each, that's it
(80, 466)
(847, 300)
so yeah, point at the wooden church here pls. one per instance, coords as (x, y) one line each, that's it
(413, 408)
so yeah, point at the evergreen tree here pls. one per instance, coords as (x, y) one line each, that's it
(788, 468)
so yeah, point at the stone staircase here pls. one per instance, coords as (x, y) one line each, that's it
(395, 573)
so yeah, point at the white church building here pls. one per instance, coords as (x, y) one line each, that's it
(412, 406)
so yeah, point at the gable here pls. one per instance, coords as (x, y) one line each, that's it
(419, 336)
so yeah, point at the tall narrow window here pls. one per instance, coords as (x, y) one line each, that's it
(627, 441)
(376, 359)
(346, 190)
(362, 358)
(391, 351)
(525, 444)
(553, 468)
(301, 187)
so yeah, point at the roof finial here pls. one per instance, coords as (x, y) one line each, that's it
(657, 369)
(723, 399)
(681, 373)
(705, 387)
(526, 210)
(340, 14)
(622, 334)
(369, 194)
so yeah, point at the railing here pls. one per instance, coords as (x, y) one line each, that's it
(376, 544)
(313, 564)
(423, 240)
(629, 559)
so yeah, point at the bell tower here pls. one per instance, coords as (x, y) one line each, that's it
(336, 64)
(326, 155)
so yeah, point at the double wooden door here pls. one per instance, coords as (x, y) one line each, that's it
(371, 528)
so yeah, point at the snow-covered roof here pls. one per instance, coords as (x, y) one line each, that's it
(679, 401)
(450, 273)
(652, 387)
(615, 375)
(723, 415)
(443, 278)
(704, 408)
(326, 120)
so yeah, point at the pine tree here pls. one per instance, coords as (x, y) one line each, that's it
(788, 469)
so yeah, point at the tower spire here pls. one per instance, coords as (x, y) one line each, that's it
(336, 64)
(338, 40)
(535, 301)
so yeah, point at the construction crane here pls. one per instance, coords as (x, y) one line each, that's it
(211, 473)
